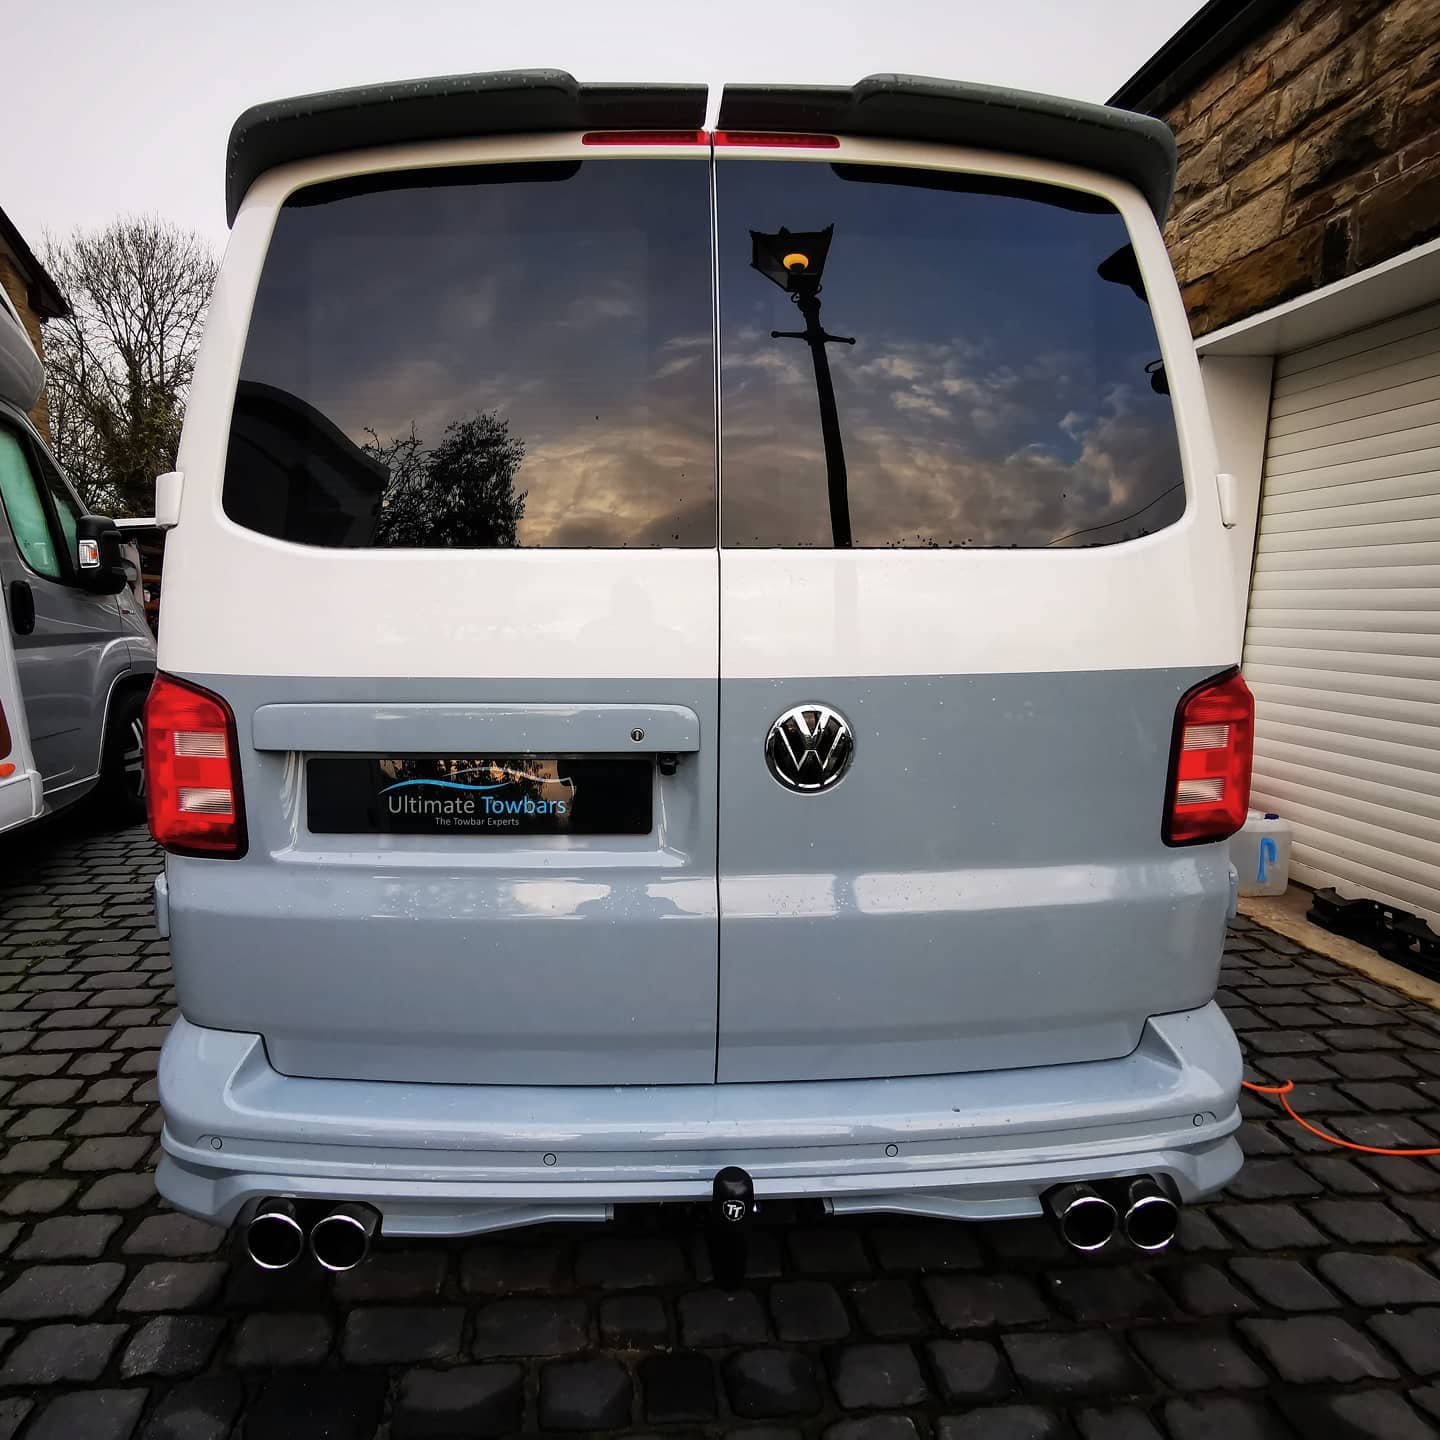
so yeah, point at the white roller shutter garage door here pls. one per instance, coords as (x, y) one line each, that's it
(1342, 646)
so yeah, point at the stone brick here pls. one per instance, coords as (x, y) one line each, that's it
(51, 1354)
(111, 1153)
(1378, 1413)
(69, 1237)
(1205, 1290)
(873, 1427)
(1101, 1294)
(1124, 1423)
(1405, 28)
(632, 1322)
(1197, 1359)
(172, 1345)
(1317, 1350)
(1244, 92)
(1356, 138)
(586, 1394)
(1311, 41)
(399, 1334)
(1262, 172)
(677, 1386)
(37, 1197)
(925, 1246)
(530, 1327)
(1395, 216)
(808, 1310)
(95, 1414)
(40, 1121)
(1198, 173)
(876, 1376)
(393, 1275)
(1004, 1422)
(629, 1264)
(173, 1235)
(14, 1410)
(1224, 1419)
(499, 1269)
(712, 1318)
(197, 1410)
(1248, 135)
(1373, 1280)
(119, 1192)
(471, 1400)
(269, 1341)
(173, 1285)
(1072, 1366)
(1362, 1222)
(59, 1292)
(1269, 1227)
(1413, 1336)
(968, 1370)
(106, 1120)
(1273, 1180)
(978, 1302)
(827, 1250)
(300, 1405)
(768, 1384)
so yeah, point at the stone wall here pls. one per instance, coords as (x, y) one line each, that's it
(1312, 153)
(19, 293)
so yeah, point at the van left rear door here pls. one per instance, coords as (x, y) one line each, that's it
(467, 520)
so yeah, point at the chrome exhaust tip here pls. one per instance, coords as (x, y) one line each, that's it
(1086, 1219)
(1151, 1216)
(273, 1237)
(341, 1239)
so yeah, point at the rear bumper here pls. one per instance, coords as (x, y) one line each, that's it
(459, 1160)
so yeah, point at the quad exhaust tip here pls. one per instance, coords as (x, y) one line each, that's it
(341, 1240)
(274, 1239)
(1085, 1218)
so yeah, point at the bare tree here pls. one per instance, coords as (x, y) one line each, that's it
(119, 365)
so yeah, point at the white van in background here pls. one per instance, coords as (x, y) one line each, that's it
(76, 656)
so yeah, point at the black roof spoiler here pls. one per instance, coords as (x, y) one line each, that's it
(1137, 148)
(451, 107)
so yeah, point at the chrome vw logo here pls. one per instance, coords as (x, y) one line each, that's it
(809, 748)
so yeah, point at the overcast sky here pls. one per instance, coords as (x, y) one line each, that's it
(112, 108)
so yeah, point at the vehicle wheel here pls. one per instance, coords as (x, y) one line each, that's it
(120, 794)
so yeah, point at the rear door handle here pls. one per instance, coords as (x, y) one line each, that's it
(22, 607)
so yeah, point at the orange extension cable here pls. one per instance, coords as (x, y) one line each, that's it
(1283, 1091)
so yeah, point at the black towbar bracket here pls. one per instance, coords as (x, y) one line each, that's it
(727, 1229)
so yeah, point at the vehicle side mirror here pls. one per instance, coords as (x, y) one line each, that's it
(99, 565)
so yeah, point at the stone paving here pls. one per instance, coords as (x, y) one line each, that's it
(1304, 1302)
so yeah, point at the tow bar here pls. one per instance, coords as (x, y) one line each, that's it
(727, 1228)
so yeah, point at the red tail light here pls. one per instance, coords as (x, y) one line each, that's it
(1210, 756)
(192, 771)
(7, 767)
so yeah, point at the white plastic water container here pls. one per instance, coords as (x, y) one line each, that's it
(1260, 852)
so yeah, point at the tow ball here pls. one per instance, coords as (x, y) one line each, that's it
(727, 1227)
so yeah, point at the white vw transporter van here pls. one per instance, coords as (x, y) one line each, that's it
(698, 665)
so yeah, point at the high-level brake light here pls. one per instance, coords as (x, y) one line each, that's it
(645, 137)
(776, 140)
(192, 771)
(1210, 758)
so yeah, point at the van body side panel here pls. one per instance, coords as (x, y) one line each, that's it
(465, 959)
(983, 890)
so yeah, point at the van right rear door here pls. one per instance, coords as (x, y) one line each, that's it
(954, 522)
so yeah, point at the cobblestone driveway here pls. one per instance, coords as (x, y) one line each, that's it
(1306, 1301)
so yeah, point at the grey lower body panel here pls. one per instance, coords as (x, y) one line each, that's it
(459, 1160)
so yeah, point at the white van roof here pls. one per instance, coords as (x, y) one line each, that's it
(22, 376)
(1137, 148)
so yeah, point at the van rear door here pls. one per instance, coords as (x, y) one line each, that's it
(467, 539)
(954, 524)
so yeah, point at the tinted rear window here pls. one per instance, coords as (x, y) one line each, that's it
(1003, 387)
(498, 356)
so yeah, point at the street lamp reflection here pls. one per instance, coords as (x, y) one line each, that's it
(794, 260)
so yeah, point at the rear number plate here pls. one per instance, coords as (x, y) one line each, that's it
(526, 795)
